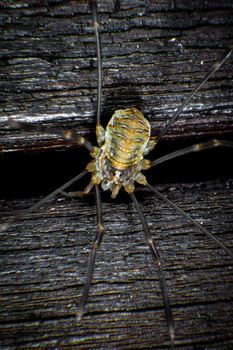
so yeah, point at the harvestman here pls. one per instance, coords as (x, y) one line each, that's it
(117, 162)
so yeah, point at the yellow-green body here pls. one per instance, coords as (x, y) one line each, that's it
(118, 160)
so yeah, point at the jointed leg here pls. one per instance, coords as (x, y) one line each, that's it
(6, 225)
(190, 219)
(79, 194)
(68, 134)
(194, 148)
(65, 134)
(213, 70)
(93, 5)
(75, 194)
(91, 264)
(157, 261)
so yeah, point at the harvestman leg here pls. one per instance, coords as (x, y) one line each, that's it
(149, 240)
(190, 219)
(194, 148)
(71, 136)
(68, 135)
(214, 69)
(93, 6)
(91, 264)
(6, 225)
(80, 140)
(158, 263)
(100, 226)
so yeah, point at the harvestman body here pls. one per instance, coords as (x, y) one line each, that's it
(117, 162)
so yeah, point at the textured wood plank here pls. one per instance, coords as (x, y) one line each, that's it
(152, 56)
(154, 53)
(44, 261)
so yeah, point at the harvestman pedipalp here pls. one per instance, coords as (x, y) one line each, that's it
(118, 161)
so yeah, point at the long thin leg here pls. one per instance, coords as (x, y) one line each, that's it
(190, 219)
(75, 194)
(91, 264)
(65, 134)
(213, 70)
(157, 261)
(6, 225)
(93, 6)
(194, 148)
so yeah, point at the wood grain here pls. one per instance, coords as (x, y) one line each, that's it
(44, 261)
(154, 53)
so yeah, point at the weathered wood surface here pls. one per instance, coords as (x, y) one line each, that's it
(48, 76)
(154, 53)
(44, 262)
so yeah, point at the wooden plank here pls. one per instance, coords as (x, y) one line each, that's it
(154, 54)
(44, 261)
